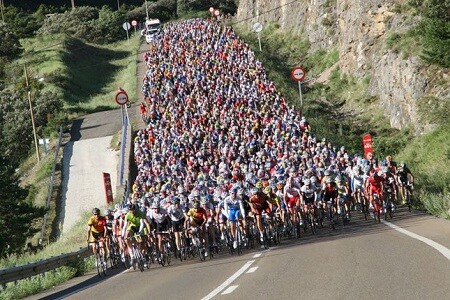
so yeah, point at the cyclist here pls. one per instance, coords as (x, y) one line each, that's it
(405, 180)
(235, 210)
(159, 219)
(291, 197)
(109, 227)
(308, 197)
(343, 195)
(135, 221)
(259, 203)
(96, 231)
(329, 197)
(375, 185)
(197, 221)
(177, 217)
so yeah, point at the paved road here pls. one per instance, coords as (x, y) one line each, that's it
(364, 260)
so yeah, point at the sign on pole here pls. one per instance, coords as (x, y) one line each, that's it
(134, 23)
(257, 27)
(298, 74)
(121, 97)
(126, 26)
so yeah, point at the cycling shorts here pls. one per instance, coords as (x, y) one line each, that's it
(97, 235)
(222, 218)
(177, 225)
(309, 200)
(292, 201)
(265, 207)
(162, 227)
(234, 215)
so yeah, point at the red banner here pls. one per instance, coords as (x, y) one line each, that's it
(108, 188)
(367, 144)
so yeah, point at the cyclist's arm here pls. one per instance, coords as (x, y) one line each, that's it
(88, 233)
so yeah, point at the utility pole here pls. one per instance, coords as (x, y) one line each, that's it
(118, 5)
(73, 3)
(146, 8)
(32, 114)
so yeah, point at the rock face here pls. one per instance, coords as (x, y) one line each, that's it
(358, 29)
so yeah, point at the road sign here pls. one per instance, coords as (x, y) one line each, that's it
(257, 27)
(211, 9)
(126, 26)
(134, 23)
(298, 74)
(216, 12)
(121, 97)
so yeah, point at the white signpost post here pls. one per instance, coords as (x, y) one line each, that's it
(298, 74)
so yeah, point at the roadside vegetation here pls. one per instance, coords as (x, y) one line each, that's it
(75, 72)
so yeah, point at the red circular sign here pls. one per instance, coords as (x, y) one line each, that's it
(121, 97)
(134, 23)
(298, 74)
(216, 12)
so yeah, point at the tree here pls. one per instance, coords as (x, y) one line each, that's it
(17, 213)
(10, 47)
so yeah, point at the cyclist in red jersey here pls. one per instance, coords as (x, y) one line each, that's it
(375, 184)
(259, 202)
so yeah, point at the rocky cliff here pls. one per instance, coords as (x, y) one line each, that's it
(359, 29)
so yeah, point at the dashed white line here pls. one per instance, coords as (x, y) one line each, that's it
(229, 290)
(443, 250)
(257, 255)
(229, 280)
(252, 270)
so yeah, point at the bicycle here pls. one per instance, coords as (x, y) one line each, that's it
(139, 260)
(409, 197)
(365, 206)
(114, 251)
(100, 260)
(377, 207)
(310, 217)
(165, 257)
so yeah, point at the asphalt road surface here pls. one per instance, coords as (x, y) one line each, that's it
(404, 258)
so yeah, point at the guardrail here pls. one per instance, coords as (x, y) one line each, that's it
(42, 266)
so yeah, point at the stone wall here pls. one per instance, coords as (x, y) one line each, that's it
(358, 29)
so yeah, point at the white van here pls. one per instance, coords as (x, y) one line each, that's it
(152, 28)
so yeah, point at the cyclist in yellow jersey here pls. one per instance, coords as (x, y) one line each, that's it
(97, 230)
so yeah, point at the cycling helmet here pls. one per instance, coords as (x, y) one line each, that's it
(402, 164)
(313, 180)
(280, 185)
(131, 207)
(267, 190)
(96, 211)
(254, 191)
(107, 211)
(259, 185)
(329, 180)
(327, 172)
(307, 181)
(175, 200)
(155, 204)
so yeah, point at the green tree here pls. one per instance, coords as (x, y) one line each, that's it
(10, 47)
(17, 213)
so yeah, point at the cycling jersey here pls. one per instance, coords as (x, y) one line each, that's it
(133, 220)
(97, 224)
(308, 194)
(198, 215)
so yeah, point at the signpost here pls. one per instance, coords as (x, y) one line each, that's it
(298, 74)
(122, 100)
(108, 188)
(257, 27)
(126, 26)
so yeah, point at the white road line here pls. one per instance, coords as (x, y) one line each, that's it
(444, 251)
(252, 270)
(257, 255)
(229, 280)
(229, 290)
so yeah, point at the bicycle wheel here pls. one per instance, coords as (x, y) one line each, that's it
(312, 224)
(239, 240)
(201, 253)
(167, 251)
(99, 264)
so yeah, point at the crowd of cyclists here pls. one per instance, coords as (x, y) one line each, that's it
(225, 162)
